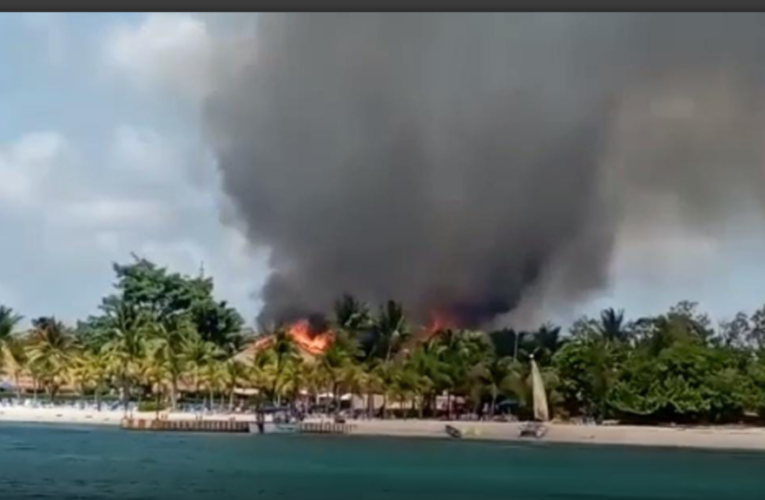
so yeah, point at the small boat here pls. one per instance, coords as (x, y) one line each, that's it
(537, 429)
(279, 423)
(453, 432)
(533, 429)
(282, 428)
(273, 428)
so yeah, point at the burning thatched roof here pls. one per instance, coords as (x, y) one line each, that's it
(310, 344)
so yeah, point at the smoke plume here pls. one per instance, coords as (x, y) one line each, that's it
(476, 163)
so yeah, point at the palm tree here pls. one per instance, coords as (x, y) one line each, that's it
(16, 361)
(519, 383)
(421, 375)
(373, 385)
(544, 342)
(314, 380)
(381, 379)
(407, 384)
(496, 376)
(354, 380)
(285, 354)
(8, 340)
(460, 350)
(171, 335)
(234, 374)
(390, 329)
(199, 355)
(213, 372)
(611, 325)
(154, 370)
(351, 314)
(91, 369)
(51, 350)
(127, 328)
(12, 354)
(427, 361)
(334, 363)
(351, 322)
(262, 374)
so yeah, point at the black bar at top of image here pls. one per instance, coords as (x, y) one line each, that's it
(384, 5)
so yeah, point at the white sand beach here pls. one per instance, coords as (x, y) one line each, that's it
(727, 437)
(744, 438)
(68, 415)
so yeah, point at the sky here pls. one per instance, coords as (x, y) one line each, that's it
(101, 156)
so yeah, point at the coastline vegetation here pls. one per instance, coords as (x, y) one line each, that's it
(162, 337)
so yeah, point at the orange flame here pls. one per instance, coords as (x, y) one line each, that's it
(300, 331)
(441, 320)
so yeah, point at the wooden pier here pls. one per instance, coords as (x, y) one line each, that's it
(326, 428)
(227, 426)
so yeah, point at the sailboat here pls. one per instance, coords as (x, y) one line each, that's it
(536, 428)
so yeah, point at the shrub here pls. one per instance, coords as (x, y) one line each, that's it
(149, 406)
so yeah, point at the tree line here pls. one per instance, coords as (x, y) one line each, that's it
(162, 337)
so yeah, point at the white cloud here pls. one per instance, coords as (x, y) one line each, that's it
(26, 165)
(655, 244)
(169, 50)
(111, 213)
(182, 256)
(665, 255)
(72, 204)
(145, 152)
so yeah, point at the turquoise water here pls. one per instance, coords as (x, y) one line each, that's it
(99, 463)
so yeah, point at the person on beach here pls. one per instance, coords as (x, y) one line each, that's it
(261, 422)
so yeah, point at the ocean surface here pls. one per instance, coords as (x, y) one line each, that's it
(61, 462)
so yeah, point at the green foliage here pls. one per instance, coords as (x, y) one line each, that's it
(9, 342)
(586, 368)
(164, 297)
(757, 374)
(151, 406)
(390, 330)
(8, 322)
(686, 382)
(51, 350)
(611, 327)
(161, 331)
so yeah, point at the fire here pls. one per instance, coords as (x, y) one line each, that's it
(318, 343)
(440, 320)
(300, 331)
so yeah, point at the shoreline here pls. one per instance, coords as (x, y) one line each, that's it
(710, 438)
(713, 438)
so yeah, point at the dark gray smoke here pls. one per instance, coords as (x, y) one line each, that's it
(456, 161)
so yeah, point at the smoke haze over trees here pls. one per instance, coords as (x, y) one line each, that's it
(480, 164)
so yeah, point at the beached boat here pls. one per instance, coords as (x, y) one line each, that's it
(533, 429)
(273, 428)
(453, 432)
(537, 428)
